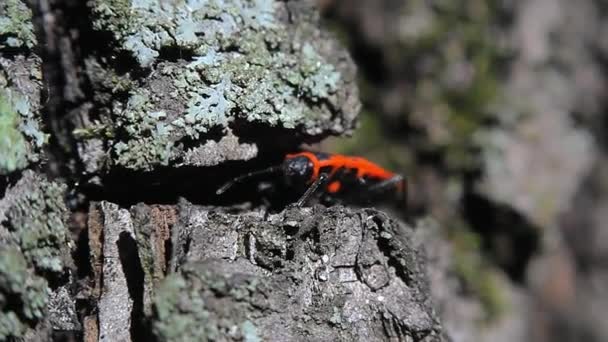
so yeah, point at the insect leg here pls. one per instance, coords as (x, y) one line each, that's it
(362, 181)
(323, 178)
(384, 185)
(228, 185)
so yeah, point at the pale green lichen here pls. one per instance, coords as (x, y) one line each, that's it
(13, 146)
(10, 326)
(21, 139)
(242, 65)
(206, 108)
(22, 286)
(184, 305)
(33, 241)
(151, 144)
(172, 323)
(250, 333)
(16, 28)
(35, 218)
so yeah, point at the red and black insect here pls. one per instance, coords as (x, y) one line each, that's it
(335, 174)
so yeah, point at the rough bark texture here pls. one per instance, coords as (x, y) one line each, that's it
(144, 92)
(120, 118)
(319, 274)
(497, 111)
(192, 86)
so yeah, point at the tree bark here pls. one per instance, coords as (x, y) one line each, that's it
(118, 110)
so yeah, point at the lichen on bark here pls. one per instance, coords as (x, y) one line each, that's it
(33, 216)
(209, 65)
(16, 28)
(21, 137)
(34, 246)
(13, 148)
(314, 273)
(18, 284)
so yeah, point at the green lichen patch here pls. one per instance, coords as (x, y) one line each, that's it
(35, 218)
(212, 63)
(16, 28)
(18, 284)
(21, 137)
(202, 302)
(13, 146)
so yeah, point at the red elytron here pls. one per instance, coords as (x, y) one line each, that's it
(334, 174)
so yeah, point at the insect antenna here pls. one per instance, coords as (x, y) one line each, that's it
(229, 184)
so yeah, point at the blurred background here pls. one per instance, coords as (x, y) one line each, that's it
(495, 111)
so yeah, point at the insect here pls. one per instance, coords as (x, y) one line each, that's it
(334, 174)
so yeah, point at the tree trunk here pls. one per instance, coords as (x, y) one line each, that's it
(120, 116)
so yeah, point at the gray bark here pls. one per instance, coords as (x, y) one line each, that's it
(318, 274)
(104, 100)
